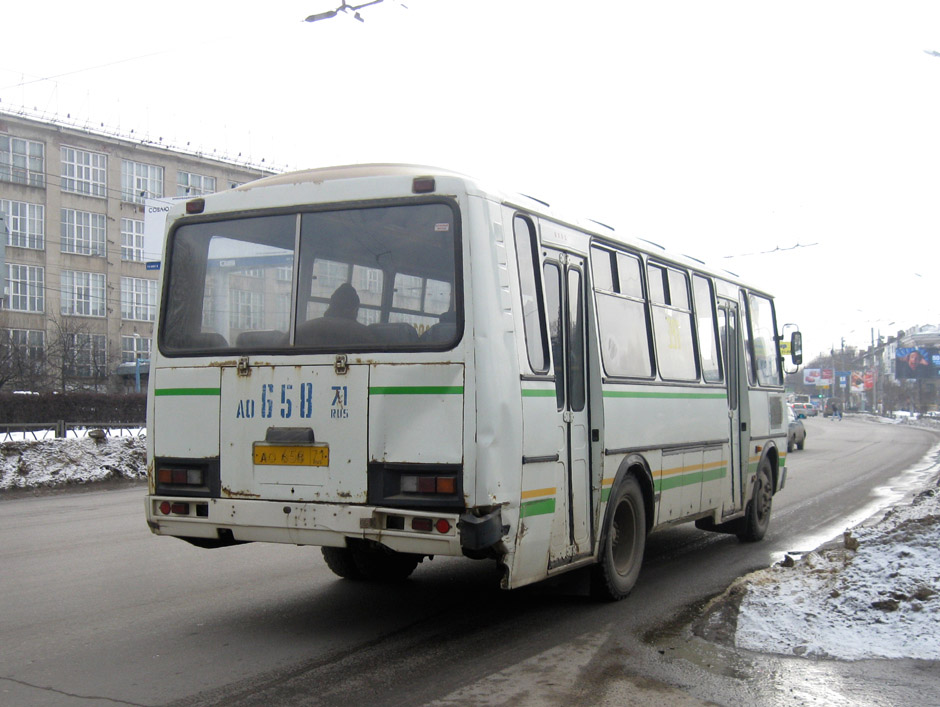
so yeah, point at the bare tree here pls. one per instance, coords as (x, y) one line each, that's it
(22, 363)
(77, 357)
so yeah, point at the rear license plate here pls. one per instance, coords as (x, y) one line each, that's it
(291, 455)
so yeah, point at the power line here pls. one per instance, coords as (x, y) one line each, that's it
(778, 249)
(79, 71)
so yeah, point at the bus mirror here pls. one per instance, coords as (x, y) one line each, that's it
(796, 347)
(791, 348)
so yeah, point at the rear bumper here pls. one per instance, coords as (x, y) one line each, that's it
(303, 524)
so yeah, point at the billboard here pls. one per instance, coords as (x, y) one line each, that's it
(820, 377)
(155, 213)
(917, 362)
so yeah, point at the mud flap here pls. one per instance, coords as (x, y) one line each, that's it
(480, 532)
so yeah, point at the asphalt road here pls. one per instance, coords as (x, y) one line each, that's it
(96, 610)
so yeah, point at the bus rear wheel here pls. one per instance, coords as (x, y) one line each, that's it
(379, 564)
(624, 542)
(757, 517)
(340, 561)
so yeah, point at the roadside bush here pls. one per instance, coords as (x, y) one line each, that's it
(73, 407)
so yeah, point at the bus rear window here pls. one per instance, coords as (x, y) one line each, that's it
(378, 278)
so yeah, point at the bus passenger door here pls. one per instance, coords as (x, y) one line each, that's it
(731, 350)
(565, 304)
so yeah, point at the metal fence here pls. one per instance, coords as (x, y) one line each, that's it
(72, 430)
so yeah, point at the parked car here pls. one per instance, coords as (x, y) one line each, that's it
(796, 432)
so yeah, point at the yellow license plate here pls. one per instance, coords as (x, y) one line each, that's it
(291, 455)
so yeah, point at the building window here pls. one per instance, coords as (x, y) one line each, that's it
(83, 232)
(83, 293)
(84, 172)
(140, 181)
(247, 309)
(22, 161)
(189, 184)
(132, 239)
(88, 355)
(27, 288)
(138, 299)
(134, 347)
(30, 344)
(25, 222)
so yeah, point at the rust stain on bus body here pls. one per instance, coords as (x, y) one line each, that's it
(229, 493)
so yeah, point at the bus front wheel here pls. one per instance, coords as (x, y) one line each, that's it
(757, 517)
(624, 542)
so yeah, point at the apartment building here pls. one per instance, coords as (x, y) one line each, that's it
(77, 297)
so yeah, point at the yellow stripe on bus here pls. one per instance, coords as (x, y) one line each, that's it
(535, 493)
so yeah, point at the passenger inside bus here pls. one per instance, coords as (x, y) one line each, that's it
(338, 325)
(444, 330)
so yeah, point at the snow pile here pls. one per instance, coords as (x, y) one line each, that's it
(874, 595)
(61, 462)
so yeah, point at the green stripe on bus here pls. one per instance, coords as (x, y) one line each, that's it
(538, 392)
(663, 396)
(697, 477)
(416, 390)
(188, 391)
(714, 474)
(537, 508)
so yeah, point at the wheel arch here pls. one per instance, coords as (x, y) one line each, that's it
(772, 454)
(637, 466)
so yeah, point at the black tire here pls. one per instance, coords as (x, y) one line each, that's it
(799, 445)
(789, 445)
(757, 516)
(623, 544)
(340, 560)
(379, 564)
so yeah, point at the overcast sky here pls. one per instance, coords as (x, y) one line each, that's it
(800, 138)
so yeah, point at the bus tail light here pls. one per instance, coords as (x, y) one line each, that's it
(176, 508)
(429, 484)
(441, 525)
(174, 476)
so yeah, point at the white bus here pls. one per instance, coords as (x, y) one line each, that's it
(395, 362)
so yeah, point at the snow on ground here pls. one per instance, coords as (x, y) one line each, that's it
(874, 594)
(54, 463)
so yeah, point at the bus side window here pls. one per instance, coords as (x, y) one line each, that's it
(533, 318)
(553, 306)
(672, 323)
(707, 335)
(744, 306)
(622, 315)
(762, 328)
